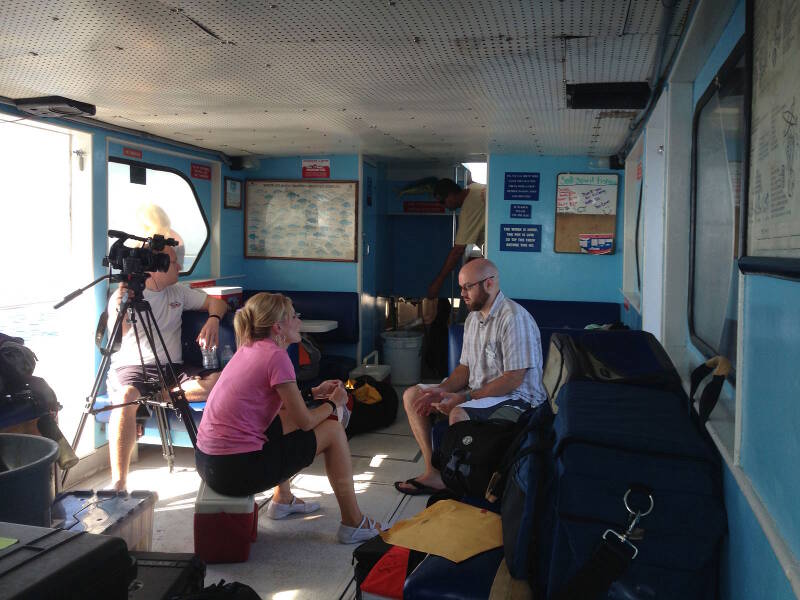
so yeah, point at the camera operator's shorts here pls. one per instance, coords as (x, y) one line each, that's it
(247, 473)
(132, 376)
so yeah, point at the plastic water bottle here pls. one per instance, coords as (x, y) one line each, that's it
(210, 360)
(226, 355)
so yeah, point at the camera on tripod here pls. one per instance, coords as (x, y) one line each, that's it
(137, 261)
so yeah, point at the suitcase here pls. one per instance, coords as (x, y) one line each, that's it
(608, 439)
(162, 575)
(437, 578)
(63, 565)
(618, 356)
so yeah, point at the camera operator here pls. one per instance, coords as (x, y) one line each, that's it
(125, 380)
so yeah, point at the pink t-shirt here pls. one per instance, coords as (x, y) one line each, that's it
(244, 402)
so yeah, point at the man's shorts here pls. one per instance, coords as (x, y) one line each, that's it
(132, 376)
(507, 410)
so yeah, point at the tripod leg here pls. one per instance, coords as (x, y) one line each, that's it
(98, 381)
(167, 449)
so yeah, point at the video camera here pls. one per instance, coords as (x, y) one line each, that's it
(137, 261)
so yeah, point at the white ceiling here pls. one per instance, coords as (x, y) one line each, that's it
(412, 79)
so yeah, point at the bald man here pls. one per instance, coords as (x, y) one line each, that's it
(499, 375)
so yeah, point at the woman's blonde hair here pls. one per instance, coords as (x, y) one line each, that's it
(254, 321)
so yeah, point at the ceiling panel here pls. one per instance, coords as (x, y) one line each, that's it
(412, 79)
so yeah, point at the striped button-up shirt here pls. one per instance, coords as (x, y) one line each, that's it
(507, 339)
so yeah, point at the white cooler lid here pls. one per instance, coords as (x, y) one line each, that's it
(379, 372)
(216, 290)
(209, 502)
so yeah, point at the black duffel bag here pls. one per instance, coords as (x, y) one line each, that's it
(471, 452)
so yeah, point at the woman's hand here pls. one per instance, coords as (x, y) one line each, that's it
(339, 396)
(326, 388)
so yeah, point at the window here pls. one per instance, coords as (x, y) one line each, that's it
(45, 242)
(718, 157)
(133, 185)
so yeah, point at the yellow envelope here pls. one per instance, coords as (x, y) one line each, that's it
(367, 394)
(451, 529)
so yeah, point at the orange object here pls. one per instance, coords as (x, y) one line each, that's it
(303, 358)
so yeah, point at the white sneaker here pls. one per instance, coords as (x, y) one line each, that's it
(366, 530)
(281, 511)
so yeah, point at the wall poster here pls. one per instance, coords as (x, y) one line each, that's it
(301, 220)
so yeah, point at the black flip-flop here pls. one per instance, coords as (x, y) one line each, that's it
(420, 489)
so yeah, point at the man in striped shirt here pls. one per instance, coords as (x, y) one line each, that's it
(499, 375)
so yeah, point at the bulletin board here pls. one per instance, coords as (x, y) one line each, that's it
(773, 203)
(301, 220)
(586, 213)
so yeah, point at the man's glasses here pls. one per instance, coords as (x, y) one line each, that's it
(468, 286)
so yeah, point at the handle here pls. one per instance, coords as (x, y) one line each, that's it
(373, 356)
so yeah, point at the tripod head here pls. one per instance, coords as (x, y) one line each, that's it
(134, 264)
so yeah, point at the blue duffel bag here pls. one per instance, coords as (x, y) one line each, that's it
(621, 500)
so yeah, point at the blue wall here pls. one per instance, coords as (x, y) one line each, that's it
(293, 274)
(770, 447)
(770, 450)
(548, 275)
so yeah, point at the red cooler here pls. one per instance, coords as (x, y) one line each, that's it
(224, 526)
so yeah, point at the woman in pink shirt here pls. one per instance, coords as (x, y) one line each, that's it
(244, 446)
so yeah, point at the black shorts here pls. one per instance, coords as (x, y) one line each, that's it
(281, 457)
(507, 410)
(132, 376)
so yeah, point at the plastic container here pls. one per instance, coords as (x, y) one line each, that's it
(225, 355)
(403, 351)
(210, 360)
(26, 478)
(129, 516)
(369, 366)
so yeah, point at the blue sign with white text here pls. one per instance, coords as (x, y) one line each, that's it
(520, 211)
(520, 238)
(521, 186)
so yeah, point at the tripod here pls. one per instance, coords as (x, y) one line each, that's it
(139, 312)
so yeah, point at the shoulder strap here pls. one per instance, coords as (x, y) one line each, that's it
(608, 562)
(720, 367)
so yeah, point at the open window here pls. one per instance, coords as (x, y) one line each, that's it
(718, 156)
(133, 185)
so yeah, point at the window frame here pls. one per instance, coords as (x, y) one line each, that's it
(157, 167)
(737, 54)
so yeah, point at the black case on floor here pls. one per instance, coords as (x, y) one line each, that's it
(162, 575)
(63, 565)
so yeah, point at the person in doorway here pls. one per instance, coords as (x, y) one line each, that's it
(471, 223)
(499, 375)
(126, 381)
(257, 431)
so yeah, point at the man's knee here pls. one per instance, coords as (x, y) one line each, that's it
(458, 414)
(409, 395)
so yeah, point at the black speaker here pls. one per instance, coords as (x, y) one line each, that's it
(633, 95)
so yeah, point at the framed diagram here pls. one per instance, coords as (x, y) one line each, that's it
(586, 213)
(301, 220)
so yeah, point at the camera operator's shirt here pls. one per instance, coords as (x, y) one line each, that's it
(168, 306)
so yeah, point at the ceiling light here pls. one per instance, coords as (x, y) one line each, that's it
(55, 106)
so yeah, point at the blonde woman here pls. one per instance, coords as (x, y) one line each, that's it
(244, 446)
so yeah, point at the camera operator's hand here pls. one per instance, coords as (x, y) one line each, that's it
(209, 334)
(116, 297)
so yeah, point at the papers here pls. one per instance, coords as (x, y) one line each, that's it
(450, 529)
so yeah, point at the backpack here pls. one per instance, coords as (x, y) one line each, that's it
(471, 453)
(368, 417)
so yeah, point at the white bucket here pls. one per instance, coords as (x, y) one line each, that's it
(403, 351)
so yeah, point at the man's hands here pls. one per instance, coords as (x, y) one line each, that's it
(448, 402)
(209, 334)
(436, 399)
(116, 297)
